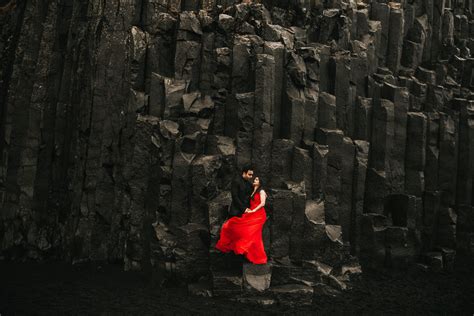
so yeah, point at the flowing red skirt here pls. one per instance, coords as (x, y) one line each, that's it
(243, 235)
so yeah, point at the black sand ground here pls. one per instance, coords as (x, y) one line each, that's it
(58, 288)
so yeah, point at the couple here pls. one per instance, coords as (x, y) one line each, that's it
(242, 232)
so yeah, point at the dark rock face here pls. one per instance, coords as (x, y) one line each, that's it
(122, 125)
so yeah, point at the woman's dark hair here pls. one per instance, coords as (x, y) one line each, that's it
(260, 187)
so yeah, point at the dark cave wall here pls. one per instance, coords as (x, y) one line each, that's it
(117, 115)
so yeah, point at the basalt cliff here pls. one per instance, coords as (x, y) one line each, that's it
(122, 124)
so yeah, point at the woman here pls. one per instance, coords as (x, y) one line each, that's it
(243, 235)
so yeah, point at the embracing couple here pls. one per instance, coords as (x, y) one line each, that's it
(242, 232)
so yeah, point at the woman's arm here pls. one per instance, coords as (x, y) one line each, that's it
(263, 197)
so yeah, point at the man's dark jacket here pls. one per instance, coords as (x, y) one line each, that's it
(241, 191)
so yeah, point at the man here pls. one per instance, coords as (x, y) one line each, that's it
(241, 190)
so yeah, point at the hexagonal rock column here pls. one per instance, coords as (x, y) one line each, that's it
(320, 167)
(380, 149)
(432, 152)
(302, 168)
(395, 37)
(372, 239)
(448, 156)
(161, 27)
(263, 107)
(188, 49)
(466, 153)
(203, 174)
(415, 157)
(239, 123)
(358, 190)
(281, 225)
(277, 50)
(281, 162)
(138, 175)
(400, 98)
(191, 253)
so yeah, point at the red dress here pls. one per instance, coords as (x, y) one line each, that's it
(243, 235)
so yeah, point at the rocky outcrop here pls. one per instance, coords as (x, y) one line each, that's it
(122, 125)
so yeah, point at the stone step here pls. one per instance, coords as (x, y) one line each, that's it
(282, 282)
(293, 294)
(322, 289)
(240, 276)
(202, 288)
(287, 273)
(226, 284)
(256, 300)
(256, 277)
